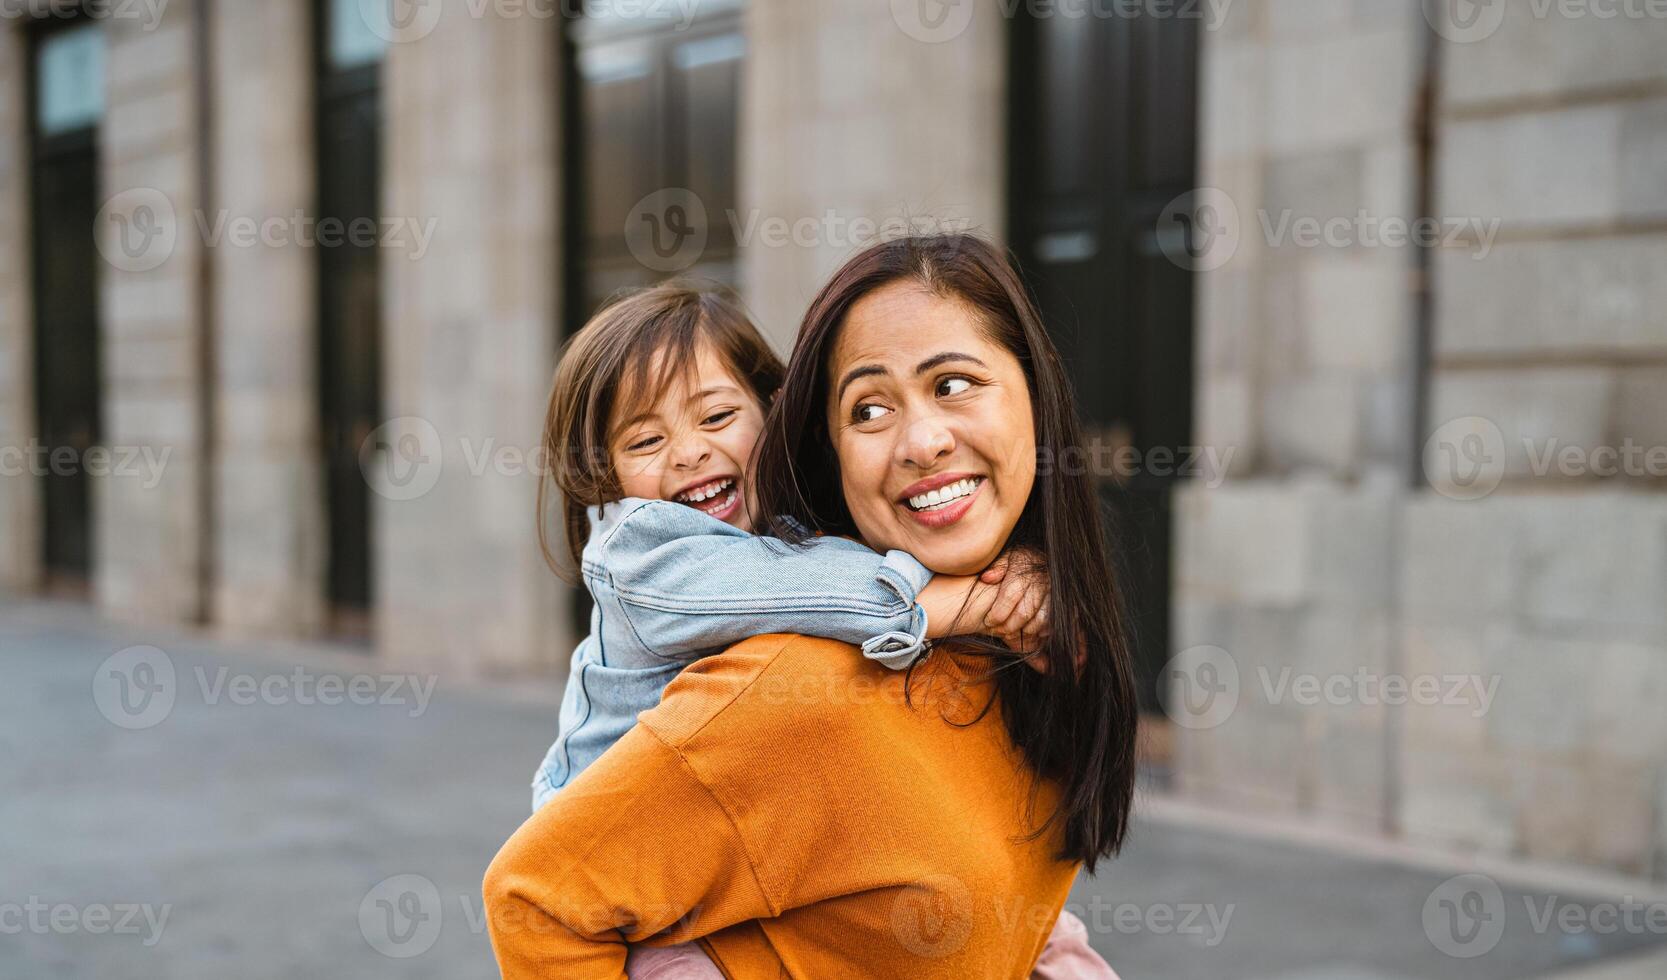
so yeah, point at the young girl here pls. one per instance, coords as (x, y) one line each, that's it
(655, 409)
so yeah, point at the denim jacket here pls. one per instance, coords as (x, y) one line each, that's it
(672, 585)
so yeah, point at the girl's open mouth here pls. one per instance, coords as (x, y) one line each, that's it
(720, 498)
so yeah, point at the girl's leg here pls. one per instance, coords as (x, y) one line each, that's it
(1068, 955)
(686, 961)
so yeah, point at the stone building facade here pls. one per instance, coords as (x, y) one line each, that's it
(1418, 485)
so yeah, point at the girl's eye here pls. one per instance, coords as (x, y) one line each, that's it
(953, 386)
(867, 412)
(717, 417)
(642, 443)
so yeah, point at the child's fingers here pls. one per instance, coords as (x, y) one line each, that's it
(994, 574)
(1007, 602)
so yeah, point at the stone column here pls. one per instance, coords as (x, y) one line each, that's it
(268, 509)
(1305, 346)
(862, 112)
(148, 558)
(20, 517)
(470, 329)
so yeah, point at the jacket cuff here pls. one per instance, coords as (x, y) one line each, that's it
(897, 649)
(903, 574)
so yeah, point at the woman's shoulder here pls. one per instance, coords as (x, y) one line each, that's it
(778, 679)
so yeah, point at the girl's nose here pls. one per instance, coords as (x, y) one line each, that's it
(690, 453)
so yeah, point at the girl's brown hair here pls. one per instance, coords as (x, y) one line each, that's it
(615, 355)
(1074, 724)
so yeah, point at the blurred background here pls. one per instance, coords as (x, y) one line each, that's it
(1364, 301)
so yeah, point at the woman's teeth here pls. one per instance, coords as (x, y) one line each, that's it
(706, 497)
(945, 495)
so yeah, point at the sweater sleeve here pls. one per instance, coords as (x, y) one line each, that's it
(636, 847)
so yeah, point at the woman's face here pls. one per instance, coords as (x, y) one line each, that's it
(932, 424)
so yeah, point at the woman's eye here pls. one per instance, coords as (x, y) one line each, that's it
(953, 386)
(717, 417)
(867, 412)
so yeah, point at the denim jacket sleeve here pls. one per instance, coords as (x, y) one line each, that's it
(687, 584)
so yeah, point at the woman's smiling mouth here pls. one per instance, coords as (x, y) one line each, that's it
(941, 500)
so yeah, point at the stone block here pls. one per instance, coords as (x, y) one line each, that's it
(1592, 566)
(1313, 424)
(1452, 796)
(1537, 412)
(1552, 57)
(1643, 178)
(1576, 296)
(1356, 311)
(1338, 91)
(1243, 542)
(1555, 167)
(1641, 416)
(1457, 554)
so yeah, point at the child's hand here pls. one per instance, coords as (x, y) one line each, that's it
(1018, 615)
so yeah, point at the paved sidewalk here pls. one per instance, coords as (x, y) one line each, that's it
(251, 830)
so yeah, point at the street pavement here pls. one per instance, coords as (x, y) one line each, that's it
(279, 810)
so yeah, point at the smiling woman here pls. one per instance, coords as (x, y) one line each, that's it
(920, 393)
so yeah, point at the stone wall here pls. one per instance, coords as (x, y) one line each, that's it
(468, 344)
(1552, 350)
(1512, 555)
(851, 115)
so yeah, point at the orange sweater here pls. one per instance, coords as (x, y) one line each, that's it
(787, 807)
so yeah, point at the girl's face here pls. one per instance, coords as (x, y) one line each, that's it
(932, 425)
(692, 442)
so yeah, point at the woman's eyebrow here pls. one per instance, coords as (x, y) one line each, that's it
(866, 371)
(944, 358)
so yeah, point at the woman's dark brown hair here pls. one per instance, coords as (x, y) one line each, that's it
(614, 356)
(1075, 725)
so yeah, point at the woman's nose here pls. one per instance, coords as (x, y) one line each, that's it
(925, 441)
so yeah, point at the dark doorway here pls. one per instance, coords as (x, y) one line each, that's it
(1103, 136)
(66, 95)
(349, 116)
(652, 107)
